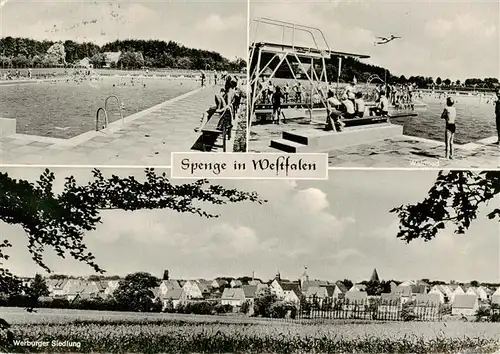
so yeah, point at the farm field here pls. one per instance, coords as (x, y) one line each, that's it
(169, 333)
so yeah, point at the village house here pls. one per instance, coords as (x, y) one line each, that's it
(219, 283)
(465, 305)
(112, 286)
(358, 287)
(235, 283)
(81, 289)
(111, 59)
(57, 287)
(233, 296)
(440, 291)
(405, 292)
(168, 285)
(285, 289)
(193, 289)
(456, 290)
(175, 296)
(482, 292)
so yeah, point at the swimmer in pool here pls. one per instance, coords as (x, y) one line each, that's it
(449, 114)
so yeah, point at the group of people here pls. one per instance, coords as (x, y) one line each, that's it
(213, 77)
(352, 105)
(227, 102)
(17, 75)
(400, 94)
(286, 93)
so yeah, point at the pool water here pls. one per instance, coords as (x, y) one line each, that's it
(475, 119)
(67, 108)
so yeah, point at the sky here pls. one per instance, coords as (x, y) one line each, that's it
(212, 25)
(339, 228)
(451, 39)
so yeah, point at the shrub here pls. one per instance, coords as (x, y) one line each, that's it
(408, 311)
(220, 309)
(280, 309)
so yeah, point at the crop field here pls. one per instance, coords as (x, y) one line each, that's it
(165, 333)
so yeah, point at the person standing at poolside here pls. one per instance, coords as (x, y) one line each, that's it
(497, 115)
(449, 114)
(277, 99)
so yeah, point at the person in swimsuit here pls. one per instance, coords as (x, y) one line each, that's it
(348, 107)
(276, 100)
(449, 114)
(334, 114)
(359, 105)
(220, 103)
(382, 108)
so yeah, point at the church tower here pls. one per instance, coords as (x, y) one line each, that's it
(375, 277)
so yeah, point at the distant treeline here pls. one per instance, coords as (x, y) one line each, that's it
(364, 72)
(26, 52)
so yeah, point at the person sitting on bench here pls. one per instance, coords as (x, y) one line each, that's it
(382, 108)
(219, 106)
(334, 114)
(348, 107)
(359, 105)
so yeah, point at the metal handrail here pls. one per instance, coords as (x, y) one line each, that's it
(97, 118)
(294, 27)
(119, 105)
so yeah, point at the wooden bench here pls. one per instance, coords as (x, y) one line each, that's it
(210, 132)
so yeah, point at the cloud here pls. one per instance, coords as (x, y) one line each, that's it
(343, 255)
(217, 23)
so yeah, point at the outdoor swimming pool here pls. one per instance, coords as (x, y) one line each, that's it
(475, 120)
(65, 109)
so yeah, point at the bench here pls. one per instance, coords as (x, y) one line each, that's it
(210, 132)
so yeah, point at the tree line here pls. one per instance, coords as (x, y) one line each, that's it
(18, 52)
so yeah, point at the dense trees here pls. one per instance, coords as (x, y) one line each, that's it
(25, 52)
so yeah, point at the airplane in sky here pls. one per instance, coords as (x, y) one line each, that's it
(384, 40)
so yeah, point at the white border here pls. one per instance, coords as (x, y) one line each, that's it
(327, 169)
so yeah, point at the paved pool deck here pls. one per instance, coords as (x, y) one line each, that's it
(395, 152)
(143, 139)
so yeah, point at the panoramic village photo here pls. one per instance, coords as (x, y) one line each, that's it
(126, 260)
(399, 84)
(120, 83)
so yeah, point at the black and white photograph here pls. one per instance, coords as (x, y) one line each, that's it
(368, 261)
(249, 176)
(118, 82)
(398, 84)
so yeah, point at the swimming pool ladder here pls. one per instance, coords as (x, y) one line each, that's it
(105, 110)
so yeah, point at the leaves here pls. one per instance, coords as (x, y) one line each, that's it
(454, 199)
(61, 221)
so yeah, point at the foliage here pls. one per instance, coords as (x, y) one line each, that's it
(154, 53)
(280, 309)
(455, 198)
(61, 221)
(263, 301)
(134, 293)
(245, 307)
(222, 309)
(347, 283)
(408, 311)
(196, 307)
(57, 53)
(38, 288)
